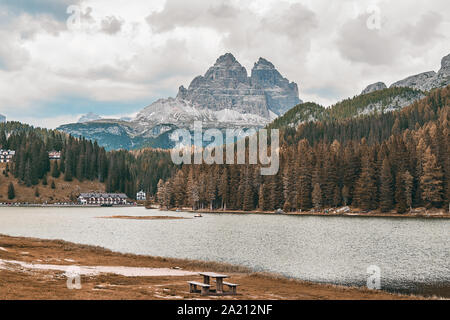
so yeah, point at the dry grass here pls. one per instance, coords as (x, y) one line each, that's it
(16, 283)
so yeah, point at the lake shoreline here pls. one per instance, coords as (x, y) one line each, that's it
(433, 215)
(19, 283)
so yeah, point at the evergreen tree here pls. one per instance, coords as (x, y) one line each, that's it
(431, 180)
(386, 188)
(400, 198)
(55, 170)
(11, 191)
(317, 196)
(366, 186)
(408, 187)
(261, 203)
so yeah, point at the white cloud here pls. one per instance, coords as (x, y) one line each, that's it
(141, 50)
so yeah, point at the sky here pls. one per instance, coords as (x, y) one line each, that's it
(60, 59)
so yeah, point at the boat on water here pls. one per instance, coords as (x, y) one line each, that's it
(198, 215)
(106, 205)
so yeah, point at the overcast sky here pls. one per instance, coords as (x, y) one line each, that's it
(120, 56)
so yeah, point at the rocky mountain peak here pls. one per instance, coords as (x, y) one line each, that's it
(227, 59)
(263, 64)
(374, 87)
(430, 80)
(445, 66)
(182, 93)
(227, 86)
(226, 71)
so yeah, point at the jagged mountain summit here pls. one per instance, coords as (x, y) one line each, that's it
(428, 80)
(425, 81)
(226, 94)
(224, 97)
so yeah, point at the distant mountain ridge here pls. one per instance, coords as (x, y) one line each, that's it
(224, 97)
(375, 98)
(89, 117)
(378, 101)
(425, 81)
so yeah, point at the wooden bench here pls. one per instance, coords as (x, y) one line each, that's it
(204, 287)
(232, 286)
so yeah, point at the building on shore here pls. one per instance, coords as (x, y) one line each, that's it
(6, 155)
(54, 155)
(103, 198)
(2, 118)
(141, 196)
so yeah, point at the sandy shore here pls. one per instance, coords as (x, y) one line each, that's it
(144, 218)
(37, 269)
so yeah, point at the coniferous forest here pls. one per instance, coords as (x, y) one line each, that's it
(390, 161)
(81, 159)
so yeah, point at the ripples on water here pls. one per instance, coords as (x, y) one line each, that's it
(413, 254)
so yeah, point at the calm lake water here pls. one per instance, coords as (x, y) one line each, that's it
(412, 254)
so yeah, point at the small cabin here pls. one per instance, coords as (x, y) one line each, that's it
(54, 155)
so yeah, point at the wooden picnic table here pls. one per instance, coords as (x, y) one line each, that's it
(219, 279)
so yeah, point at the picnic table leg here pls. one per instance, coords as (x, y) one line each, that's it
(219, 285)
(205, 291)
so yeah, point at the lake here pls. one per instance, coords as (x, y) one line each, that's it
(412, 254)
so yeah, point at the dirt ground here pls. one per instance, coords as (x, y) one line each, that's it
(21, 282)
(64, 191)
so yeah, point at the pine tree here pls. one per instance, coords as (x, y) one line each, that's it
(179, 189)
(408, 181)
(386, 188)
(27, 174)
(223, 190)
(366, 186)
(346, 195)
(261, 197)
(431, 180)
(11, 191)
(160, 194)
(317, 196)
(53, 186)
(400, 198)
(210, 190)
(55, 170)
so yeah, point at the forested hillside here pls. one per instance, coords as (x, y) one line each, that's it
(378, 102)
(388, 161)
(81, 159)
